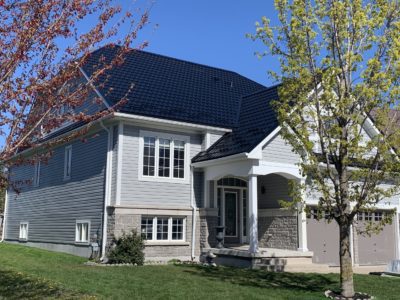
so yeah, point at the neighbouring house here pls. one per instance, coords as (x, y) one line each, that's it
(193, 147)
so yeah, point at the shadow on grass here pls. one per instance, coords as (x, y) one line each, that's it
(15, 285)
(264, 279)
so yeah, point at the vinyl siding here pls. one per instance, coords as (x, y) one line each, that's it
(276, 188)
(53, 207)
(277, 150)
(198, 185)
(138, 192)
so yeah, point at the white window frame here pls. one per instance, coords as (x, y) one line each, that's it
(169, 240)
(77, 234)
(172, 138)
(36, 175)
(20, 231)
(67, 162)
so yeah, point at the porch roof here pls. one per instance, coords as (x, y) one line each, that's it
(257, 120)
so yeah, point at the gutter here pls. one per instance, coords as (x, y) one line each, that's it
(107, 190)
(193, 205)
(100, 120)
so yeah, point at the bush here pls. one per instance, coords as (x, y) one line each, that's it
(128, 249)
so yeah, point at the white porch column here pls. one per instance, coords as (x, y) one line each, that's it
(302, 228)
(253, 210)
(396, 230)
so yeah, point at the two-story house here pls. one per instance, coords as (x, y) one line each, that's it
(192, 148)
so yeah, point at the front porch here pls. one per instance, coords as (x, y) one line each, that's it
(262, 233)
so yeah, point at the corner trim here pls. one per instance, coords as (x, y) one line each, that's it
(119, 162)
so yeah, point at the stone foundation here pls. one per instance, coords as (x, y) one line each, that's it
(208, 231)
(122, 220)
(278, 232)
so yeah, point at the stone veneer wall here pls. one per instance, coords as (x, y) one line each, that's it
(278, 232)
(125, 222)
(208, 224)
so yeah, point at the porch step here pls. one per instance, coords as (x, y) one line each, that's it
(281, 264)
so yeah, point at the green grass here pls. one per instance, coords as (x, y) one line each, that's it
(36, 274)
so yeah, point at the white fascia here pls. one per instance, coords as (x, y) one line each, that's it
(222, 160)
(256, 153)
(167, 123)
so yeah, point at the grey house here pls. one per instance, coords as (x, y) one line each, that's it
(194, 147)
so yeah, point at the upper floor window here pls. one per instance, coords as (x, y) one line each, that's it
(67, 162)
(36, 175)
(163, 156)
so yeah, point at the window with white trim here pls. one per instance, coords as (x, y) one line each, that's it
(163, 228)
(23, 231)
(82, 231)
(378, 215)
(163, 156)
(67, 162)
(36, 175)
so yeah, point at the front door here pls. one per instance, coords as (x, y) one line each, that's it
(231, 216)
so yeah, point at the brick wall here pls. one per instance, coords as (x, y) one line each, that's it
(278, 232)
(208, 231)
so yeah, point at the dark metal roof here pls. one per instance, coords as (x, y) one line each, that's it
(173, 89)
(257, 120)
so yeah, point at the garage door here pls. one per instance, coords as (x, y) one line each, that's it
(323, 240)
(378, 248)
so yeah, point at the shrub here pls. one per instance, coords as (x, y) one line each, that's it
(128, 249)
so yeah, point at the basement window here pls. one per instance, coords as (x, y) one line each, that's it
(163, 228)
(82, 231)
(23, 231)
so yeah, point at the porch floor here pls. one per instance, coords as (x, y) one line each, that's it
(243, 251)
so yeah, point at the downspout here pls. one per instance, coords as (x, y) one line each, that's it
(193, 205)
(107, 190)
(4, 216)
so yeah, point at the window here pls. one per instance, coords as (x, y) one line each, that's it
(36, 175)
(163, 228)
(368, 216)
(163, 156)
(147, 227)
(378, 216)
(177, 229)
(179, 159)
(67, 162)
(82, 231)
(360, 216)
(149, 156)
(23, 231)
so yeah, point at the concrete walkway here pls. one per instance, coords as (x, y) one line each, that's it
(325, 269)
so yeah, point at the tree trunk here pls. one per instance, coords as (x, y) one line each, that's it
(346, 266)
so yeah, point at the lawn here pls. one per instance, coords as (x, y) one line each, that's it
(36, 274)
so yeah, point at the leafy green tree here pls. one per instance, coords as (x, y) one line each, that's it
(340, 66)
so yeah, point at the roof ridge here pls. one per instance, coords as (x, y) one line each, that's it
(263, 90)
(178, 59)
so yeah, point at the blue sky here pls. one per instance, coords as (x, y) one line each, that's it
(212, 33)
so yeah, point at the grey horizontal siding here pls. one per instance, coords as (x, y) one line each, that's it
(277, 150)
(53, 207)
(137, 192)
(198, 185)
(276, 188)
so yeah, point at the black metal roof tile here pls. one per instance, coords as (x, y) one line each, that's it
(174, 89)
(257, 120)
